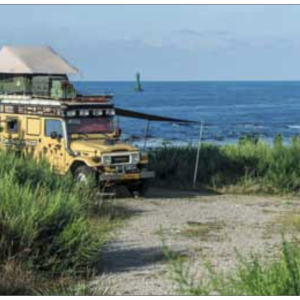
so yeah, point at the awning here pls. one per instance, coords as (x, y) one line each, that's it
(138, 115)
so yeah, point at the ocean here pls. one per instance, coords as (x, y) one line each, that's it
(228, 110)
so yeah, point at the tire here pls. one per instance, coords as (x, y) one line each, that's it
(83, 174)
(138, 189)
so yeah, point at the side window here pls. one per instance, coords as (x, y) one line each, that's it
(12, 125)
(33, 126)
(53, 126)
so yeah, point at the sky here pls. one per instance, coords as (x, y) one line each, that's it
(163, 42)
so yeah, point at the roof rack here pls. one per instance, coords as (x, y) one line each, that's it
(39, 105)
(77, 99)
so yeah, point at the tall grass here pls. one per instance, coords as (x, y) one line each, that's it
(249, 166)
(41, 220)
(45, 222)
(281, 276)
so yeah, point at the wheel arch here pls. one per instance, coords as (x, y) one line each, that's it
(76, 164)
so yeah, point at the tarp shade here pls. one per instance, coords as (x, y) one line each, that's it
(138, 115)
(33, 60)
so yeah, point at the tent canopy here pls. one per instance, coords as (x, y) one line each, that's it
(33, 60)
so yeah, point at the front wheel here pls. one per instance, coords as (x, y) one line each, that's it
(85, 175)
(138, 189)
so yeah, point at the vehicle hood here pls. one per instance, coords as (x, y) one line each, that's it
(101, 146)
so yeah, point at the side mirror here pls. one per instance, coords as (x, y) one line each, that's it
(54, 135)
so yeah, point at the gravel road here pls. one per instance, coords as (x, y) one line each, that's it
(198, 227)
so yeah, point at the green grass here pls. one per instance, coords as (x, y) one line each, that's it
(42, 221)
(49, 227)
(17, 279)
(251, 166)
(280, 276)
(52, 232)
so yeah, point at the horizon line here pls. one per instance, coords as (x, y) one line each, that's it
(204, 80)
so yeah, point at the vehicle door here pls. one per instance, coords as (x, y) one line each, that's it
(33, 131)
(53, 142)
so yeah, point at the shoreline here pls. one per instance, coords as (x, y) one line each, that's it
(153, 143)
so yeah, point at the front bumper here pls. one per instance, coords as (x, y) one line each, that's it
(126, 176)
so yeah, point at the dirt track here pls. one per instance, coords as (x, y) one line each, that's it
(196, 226)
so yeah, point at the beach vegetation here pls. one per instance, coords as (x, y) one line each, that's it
(250, 166)
(51, 230)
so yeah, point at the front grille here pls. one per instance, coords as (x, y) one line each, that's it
(124, 159)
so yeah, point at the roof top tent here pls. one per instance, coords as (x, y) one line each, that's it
(37, 71)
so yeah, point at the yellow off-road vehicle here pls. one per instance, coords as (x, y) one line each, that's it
(42, 115)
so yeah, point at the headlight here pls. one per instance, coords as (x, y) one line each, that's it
(144, 158)
(135, 158)
(106, 160)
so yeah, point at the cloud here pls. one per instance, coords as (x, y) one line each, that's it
(204, 33)
(186, 54)
(202, 40)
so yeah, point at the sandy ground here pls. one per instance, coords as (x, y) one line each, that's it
(199, 227)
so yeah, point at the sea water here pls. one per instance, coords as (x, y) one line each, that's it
(228, 110)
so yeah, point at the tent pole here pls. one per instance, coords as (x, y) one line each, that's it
(198, 155)
(146, 134)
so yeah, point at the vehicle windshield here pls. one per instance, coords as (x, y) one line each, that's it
(100, 125)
